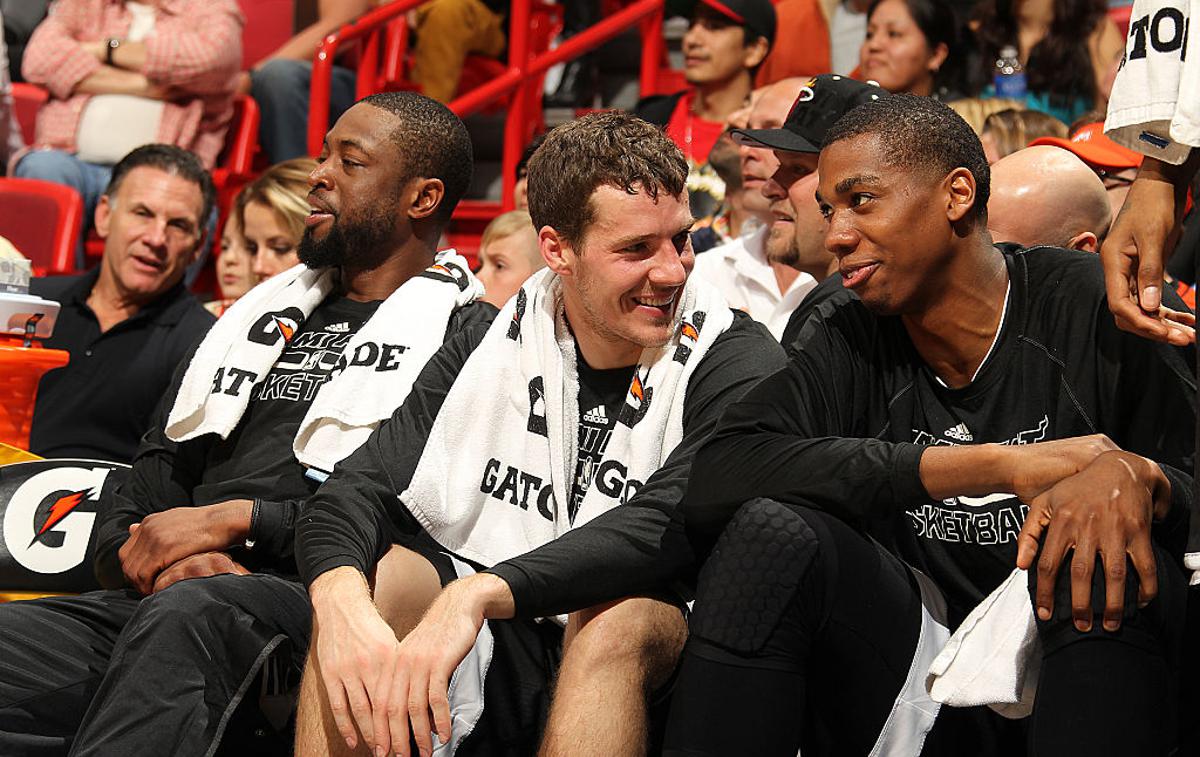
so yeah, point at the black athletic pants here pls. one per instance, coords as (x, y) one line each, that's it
(804, 631)
(110, 673)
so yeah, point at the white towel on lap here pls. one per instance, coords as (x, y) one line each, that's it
(993, 657)
(512, 418)
(249, 337)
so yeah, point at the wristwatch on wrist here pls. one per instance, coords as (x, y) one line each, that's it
(110, 46)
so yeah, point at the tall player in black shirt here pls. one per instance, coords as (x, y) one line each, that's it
(910, 415)
(157, 664)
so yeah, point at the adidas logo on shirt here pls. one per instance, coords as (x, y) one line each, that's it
(338, 328)
(960, 433)
(597, 416)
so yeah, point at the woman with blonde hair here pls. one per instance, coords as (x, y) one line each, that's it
(1010, 130)
(271, 212)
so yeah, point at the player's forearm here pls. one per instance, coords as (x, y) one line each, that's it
(967, 470)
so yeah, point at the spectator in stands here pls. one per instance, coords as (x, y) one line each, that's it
(128, 323)
(805, 26)
(508, 254)
(235, 275)
(847, 30)
(1115, 165)
(124, 74)
(21, 17)
(1047, 196)
(743, 268)
(726, 219)
(11, 141)
(1011, 130)
(723, 47)
(796, 236)
(650, 375)
(280, 83)
(272, 212)
(521, 187)
(447, 31)
(157, 664)
(914, 46)
(1068, 49)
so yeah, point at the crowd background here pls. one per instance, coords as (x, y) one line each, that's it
(108, 75)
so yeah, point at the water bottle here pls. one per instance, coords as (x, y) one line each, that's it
(1009, 79)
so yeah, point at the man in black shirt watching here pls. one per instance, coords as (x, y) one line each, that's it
(907, 417)
(130, 322)
(157, 664)
(607, 194)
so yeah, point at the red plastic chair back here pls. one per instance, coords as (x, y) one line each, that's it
(27, 99)
(268, 25)
(42, 219)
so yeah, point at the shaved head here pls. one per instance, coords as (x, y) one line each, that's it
(1047, 195)
(770, 107)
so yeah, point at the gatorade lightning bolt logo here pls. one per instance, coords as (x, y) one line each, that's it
(59, 510)
(689, 335)
(270, 326)
(50, 514)
(447, 272)
(638, 401)
(287, 328)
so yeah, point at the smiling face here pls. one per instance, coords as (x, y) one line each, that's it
(715, 49)
(357, 191)
(888, 226)
(781, 237)
(271, 245)
(621, 286)
(896, 53)
(234, 263)
(152, 231)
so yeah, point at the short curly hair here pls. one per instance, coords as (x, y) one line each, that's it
(921, 134)
(614, 149)
(433, 141)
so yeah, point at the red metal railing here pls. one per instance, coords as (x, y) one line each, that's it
(520, 81)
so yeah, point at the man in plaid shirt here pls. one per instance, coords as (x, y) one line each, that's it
(123, 74)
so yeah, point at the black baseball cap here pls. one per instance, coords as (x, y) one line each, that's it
(822, 101)
(756, 15)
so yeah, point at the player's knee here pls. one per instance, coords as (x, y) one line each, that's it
(767, 552)
(643, 635)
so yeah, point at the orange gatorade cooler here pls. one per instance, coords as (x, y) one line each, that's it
(25, 320)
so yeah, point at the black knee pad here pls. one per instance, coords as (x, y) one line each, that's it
(752, 575)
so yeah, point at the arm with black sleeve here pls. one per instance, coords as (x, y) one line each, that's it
(356, 514)
(163, 476)
(640, 547)
(803, 434)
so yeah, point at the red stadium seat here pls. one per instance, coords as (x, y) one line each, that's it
(268, 26)
(42, 219)
(27, 99)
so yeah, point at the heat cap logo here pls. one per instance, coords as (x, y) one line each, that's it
(30, 535)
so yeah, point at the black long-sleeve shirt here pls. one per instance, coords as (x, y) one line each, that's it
(256, 461)
(844, 425)
(357, 513)
(99, 405)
